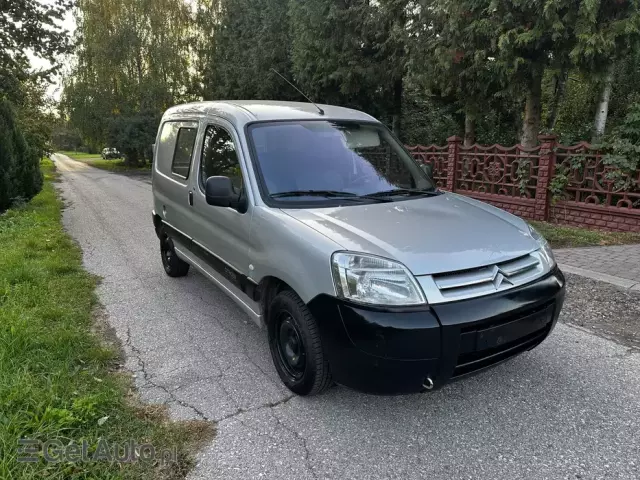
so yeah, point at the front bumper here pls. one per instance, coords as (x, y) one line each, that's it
(394, 350)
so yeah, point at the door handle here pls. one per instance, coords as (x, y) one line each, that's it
(190, 198)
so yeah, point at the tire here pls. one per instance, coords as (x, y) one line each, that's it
(173, 266)
(296, 349)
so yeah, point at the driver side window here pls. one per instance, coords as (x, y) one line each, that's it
(219, 157)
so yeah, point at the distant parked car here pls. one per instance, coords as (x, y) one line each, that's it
(110, 153)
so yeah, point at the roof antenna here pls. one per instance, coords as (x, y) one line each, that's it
(299, 91)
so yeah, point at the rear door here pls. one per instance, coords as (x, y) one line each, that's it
(172, 175)
(223, 235)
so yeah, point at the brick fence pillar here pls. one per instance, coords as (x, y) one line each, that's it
(546, 167)
(452, 161)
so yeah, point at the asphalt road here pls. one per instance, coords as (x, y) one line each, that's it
(568, 410)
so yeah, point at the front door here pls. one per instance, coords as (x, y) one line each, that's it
(223, 234)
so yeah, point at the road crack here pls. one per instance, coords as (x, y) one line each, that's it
(268, 405)
(301, 440)
(148, 378)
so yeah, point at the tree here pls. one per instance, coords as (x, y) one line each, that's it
(133, 62)
(24, 123)
(249, 38)
(490, 48)
(532, 35)
(607, 31)
(332, 51)
(352, 53)
(30, 25)
(393, 42)
(20, 176)
(455, 59)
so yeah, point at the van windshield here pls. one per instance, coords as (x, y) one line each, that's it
(318, 160)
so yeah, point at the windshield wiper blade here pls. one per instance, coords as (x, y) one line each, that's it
(312, 193)
(326, 194)
(404, 191)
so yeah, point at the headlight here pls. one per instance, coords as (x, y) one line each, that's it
(545, 248)
(374, 280)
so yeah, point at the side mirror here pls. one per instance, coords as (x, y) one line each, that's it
(219, 192)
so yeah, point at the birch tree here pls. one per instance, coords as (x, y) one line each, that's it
(606, 31)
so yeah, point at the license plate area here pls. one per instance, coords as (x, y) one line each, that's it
(496, 336)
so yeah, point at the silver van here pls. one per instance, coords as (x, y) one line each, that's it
(322, 227)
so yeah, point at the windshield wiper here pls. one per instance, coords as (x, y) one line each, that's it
(325, 194)
(404, 191)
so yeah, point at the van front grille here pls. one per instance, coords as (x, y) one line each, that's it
(486, 280)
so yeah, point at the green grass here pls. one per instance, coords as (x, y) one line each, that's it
(81, 156)
(561, 236)
(115, 165)
(58, 375)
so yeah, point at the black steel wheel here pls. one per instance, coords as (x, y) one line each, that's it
(173, 265)
(291, 352)
(294, 341)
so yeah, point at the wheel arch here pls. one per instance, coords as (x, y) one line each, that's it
(157, 222)
(270, 287)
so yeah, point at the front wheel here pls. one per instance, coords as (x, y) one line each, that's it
(294, 341)
(173, 266)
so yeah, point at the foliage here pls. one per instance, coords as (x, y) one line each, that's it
(351, 53)
(133, 62)
(605, 31)
(624, 151)
(523, 175)
(64, 137)
(428, 119)
(576, 110)
(20, 177)
(26, 25)
(421, 66)
(458, 65)
(249, 38)
(133, 136)
(29, 25)
(562, 174)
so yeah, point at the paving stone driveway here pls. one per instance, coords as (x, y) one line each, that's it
(619, 261)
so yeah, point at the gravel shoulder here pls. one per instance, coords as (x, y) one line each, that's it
(603, 309)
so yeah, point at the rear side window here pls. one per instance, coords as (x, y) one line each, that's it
(184, 150)
(175, 147)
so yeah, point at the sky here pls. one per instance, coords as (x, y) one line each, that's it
(55, 89)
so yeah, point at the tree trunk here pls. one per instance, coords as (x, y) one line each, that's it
(469, 129)
(600, 122)
(561, 85)
(396, 122)
(131, 158)
(533, 108)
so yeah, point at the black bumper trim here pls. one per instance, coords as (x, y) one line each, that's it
(389, 352)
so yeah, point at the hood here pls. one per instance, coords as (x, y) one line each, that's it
(428, 235)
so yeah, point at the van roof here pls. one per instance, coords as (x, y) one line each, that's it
(241, 112)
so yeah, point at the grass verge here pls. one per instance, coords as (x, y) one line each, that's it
(115, 165)
(58, 379)
(561, 236)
